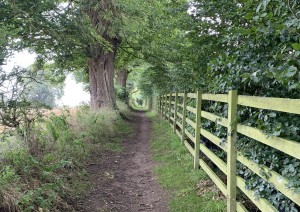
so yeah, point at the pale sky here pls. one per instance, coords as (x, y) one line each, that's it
(73, 92)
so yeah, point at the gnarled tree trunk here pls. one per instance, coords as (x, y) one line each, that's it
(101, 83)
(101, 78)
(101, 59)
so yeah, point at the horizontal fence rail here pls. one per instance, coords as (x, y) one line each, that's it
(189, 130)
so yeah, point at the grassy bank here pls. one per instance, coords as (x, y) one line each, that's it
(189, 190)
(47, 172)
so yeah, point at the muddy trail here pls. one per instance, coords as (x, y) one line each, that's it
(125, 181)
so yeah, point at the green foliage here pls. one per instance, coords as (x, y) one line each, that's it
(44, 93)
(121, 93)
(15, 107)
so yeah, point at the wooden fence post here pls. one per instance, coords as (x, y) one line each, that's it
(166, 99)
(184, 117)
(170, 99)
(162, 106)
(159, 108)
(198, 129)
(175, 112)
(232, 152)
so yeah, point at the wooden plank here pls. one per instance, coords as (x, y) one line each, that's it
(214, 139)
(189, 147)
(215, 97)
(218, 119)
(170, 107)
(171, 118)
(166, 100)
(162, 107)
(261, 203)
(197, 129)
(179, 124)
(190, 122)
(159, 103)
(192, 95)
(287, 146)
(278, 181)
(173, 94)
(175, 112)
(191, 109)
(213, 176)
(231, 150)
(189, 135)
(172, 102)
(181, 94)
(184, 117)
(214, 158)
(268, 103)
(240, 207)
(180, 105)
(178, 133)
(179, 115)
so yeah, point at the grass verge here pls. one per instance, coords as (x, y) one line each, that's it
(188, 188)
(47, 171)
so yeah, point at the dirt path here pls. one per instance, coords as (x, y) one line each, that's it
(125, 181)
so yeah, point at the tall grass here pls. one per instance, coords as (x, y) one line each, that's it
(188, 188)
(42, 174)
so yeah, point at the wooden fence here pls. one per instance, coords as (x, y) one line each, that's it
(169, 109)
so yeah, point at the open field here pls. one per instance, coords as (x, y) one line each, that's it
(56, 111)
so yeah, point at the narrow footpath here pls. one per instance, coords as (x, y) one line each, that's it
(125, 181)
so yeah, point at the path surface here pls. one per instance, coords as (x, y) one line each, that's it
(125, 181)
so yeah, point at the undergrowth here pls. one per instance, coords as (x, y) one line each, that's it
(47, 172)
(175, 173)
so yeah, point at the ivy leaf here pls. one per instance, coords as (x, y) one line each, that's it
(296, 46)
(291, 71)
(258, 8)
(295, 85)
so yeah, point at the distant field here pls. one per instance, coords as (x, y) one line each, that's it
(14, 144)
(3, 128)
(59, 112)
(56, 111)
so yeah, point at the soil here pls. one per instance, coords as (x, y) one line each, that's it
(125, 181)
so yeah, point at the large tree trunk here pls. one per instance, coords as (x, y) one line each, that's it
(122, 77)
(101, 59)
(101, 78)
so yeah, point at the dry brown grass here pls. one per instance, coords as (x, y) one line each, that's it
(47, 113)
(59, 112)
(8, 200)
(4, 128)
